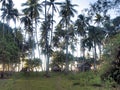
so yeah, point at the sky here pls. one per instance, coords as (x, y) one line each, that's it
(81, 4)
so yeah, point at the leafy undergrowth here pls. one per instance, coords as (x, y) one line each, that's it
(56, 81)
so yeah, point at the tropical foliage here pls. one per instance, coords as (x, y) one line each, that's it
(58, 41)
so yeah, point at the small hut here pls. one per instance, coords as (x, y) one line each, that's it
(56, 68)
(85, 66)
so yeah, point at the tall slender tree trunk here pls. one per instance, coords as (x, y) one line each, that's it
(100, 51)
(9, 33)
(15, 32)
(2, 74)
(83, 56)
(37, 41)
(32, 36)
(66, 39)
(67, 66)
(23, 51)
(3, 66)
(46, 40)
(52, 26)
(3, 28)
(95, 56)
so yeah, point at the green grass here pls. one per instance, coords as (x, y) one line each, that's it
(57, 81)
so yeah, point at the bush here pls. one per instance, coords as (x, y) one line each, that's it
(113, 72)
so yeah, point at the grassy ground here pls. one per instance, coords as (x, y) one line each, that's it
(57, 81)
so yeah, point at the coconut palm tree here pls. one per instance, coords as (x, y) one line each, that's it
(3, 6)
(51, 9)
(45, 40)
(66, 12)
(101, 20)
(8, 12)
(46, 28)
(33, 10)
(81, 25)
(3, 2)
(95, 35)
(59, 38)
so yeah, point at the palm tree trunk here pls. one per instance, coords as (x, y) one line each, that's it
(8, 66)
(15, 32)
(32, 36)
(66, 38)
(52, 25)
(23, 45)
(3, 66)
(46, 37)
(3, 28)
(95, 56)
(83, 55)
(100, 50)
(67, 66)
(37, 40)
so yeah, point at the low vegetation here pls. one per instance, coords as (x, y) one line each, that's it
(57, 81)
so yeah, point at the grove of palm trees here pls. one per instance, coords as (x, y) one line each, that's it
(43, 46)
